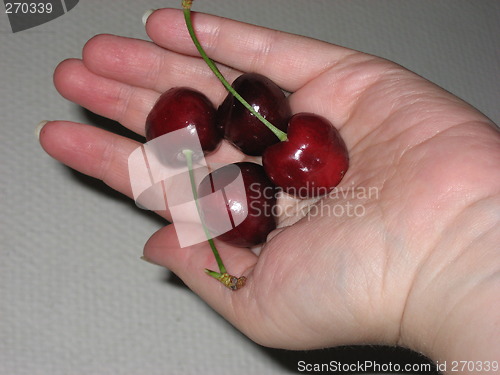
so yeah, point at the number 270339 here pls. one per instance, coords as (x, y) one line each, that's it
(26, 8)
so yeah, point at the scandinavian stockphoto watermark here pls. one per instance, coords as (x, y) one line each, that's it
(25, 15)
(162, 179)
(336, 202)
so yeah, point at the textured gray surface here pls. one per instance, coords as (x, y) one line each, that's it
(74, 296)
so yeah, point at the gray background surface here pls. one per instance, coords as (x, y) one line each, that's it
(74, 296)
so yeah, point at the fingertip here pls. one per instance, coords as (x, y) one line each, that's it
(64, 72)
(167, 25)
(146, 16)
(47, 137)
(102, 51)
(161, 246)
(147, 260)
(53, 137)
(39, 128)
(61, 67)
(94, 45)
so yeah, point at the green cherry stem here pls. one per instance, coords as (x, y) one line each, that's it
(189, 159)
(186, 5)
(232, 282)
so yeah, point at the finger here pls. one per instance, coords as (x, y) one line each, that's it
(247, 47)
(189, 263)
(105, 155)
(91, 151)
(145, 64)
(118, 101)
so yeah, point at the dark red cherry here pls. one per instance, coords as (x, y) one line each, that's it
(240, 126)
(184, 108)
(248, 207)
(312, 161)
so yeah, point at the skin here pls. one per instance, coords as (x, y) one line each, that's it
(420, 268)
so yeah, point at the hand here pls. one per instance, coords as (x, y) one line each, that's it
(414, 258)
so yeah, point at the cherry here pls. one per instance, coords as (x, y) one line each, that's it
(182, 107)
(252, 206)
(240, 126)
(312, 161)
(309, 161)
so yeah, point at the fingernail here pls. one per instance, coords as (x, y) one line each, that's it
(146, 15)
(39, 127)
(148, 260)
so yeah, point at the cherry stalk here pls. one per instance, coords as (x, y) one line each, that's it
(240, 127)
(186, 5)
(230, 281)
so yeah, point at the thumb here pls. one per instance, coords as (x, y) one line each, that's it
(189, 263)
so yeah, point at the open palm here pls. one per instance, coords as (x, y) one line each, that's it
(352, 269)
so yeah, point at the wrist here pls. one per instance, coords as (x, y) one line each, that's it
(451, 314)
(471, 333)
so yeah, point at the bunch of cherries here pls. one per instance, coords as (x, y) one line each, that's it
(302, 154)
